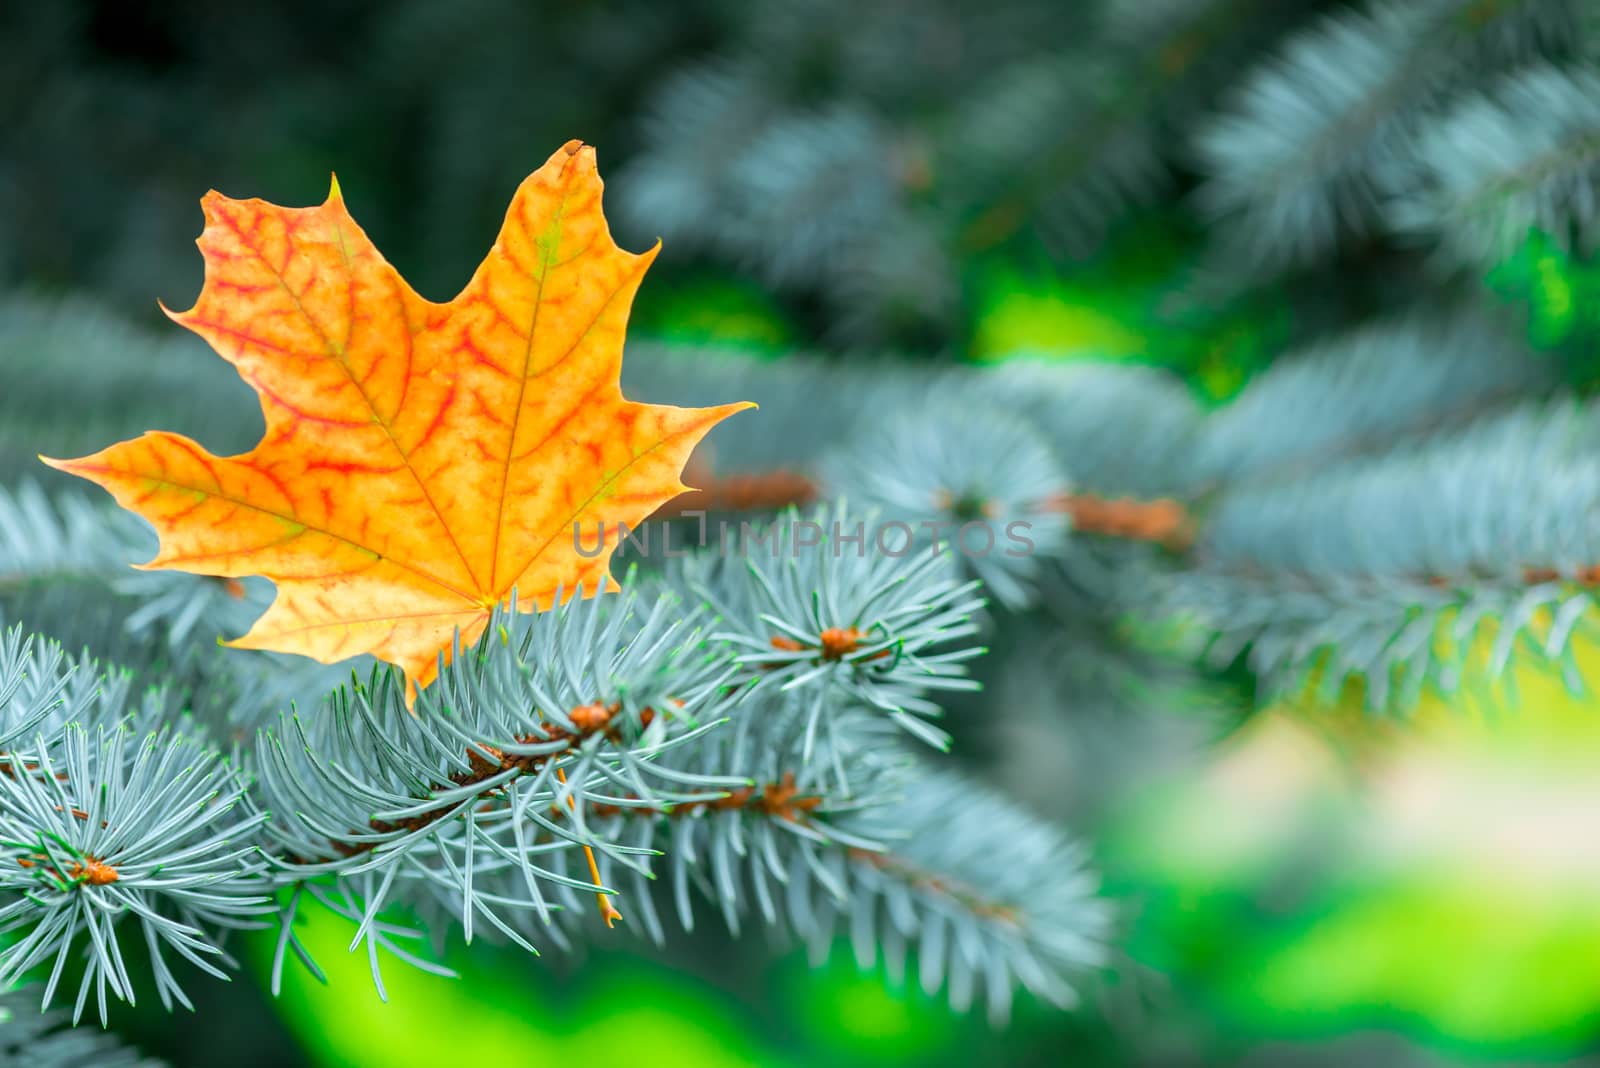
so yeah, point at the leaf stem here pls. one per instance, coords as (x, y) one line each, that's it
(608, 911)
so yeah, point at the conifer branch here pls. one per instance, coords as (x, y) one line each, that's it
(46, 1039)
(1520, 157)
(1397, 504)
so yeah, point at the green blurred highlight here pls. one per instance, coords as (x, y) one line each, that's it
(497, 1008)
(1560, 292)
(1126, 304)
(699, 308)
(1022, 313)
(1326, 873)
(853, 1014)
(614, 1007)
(1477, 963)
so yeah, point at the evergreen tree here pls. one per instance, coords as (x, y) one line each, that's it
(1407, 481)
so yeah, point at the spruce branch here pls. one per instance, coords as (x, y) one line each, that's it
(72, 355)
(468, 797)
(766, 835)
(1066, 140)
(1399, 505)
(950, 471)
(1522, 156)
(1387, 568)
(1308, 145)
(815, 610)
(592, 728)
(1120, 430)
(37, 1039)
(105, 823)
(990, 898)
(1163, 520)
(1365, 390)
(1119, 441)
(67, 568)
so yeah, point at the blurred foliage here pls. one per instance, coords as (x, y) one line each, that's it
(615, 1001)
(1118, 305)
(1322, 876)
(429, 112)
(1560, 292)
(709, 308)
(429, 1020)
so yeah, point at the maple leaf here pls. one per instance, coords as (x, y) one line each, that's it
(421, 462)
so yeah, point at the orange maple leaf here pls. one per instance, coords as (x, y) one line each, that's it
(421, 461)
